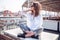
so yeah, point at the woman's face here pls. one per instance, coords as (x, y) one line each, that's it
(32, 9)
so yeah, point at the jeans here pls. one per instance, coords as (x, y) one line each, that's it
(25, 28)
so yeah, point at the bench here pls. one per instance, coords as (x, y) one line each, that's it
(14, 32)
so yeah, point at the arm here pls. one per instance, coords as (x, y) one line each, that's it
(27, 10)
(24, 12)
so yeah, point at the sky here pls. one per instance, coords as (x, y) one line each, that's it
(12, 5)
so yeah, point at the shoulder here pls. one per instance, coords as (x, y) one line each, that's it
(40, 13)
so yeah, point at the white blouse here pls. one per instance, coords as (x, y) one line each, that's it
(34, 22)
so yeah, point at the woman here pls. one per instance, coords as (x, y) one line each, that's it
(34, 21)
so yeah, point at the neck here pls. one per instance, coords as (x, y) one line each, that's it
(33, 14)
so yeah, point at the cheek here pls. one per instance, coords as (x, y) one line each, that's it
(32, 8)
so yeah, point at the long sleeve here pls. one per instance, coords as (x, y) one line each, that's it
(34, 23)
(23, 13)
(39, 30)
(37, 25)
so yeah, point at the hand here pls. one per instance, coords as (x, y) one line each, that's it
(29, 33)
(27, 10)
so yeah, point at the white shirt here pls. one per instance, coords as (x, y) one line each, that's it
(34, 22)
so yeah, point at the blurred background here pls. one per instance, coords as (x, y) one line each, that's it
(10, 16)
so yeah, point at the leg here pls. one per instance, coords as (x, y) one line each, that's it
(22, 35)
(36, 37)
(24, 27)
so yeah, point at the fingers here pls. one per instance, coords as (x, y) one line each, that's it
(29, 34)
